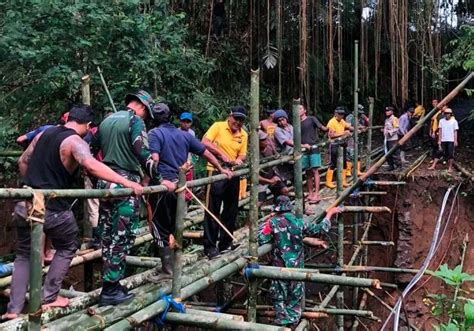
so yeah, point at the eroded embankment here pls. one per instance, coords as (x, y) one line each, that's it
(416, 208)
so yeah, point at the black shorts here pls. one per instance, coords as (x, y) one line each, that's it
(448, 149)
(275, 189)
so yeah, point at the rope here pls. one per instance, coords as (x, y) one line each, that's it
(211, 214)
(181, 189)
(248, 270)
(169, 303)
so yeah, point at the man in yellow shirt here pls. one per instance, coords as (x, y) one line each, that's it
(338, 128)
(227, 140)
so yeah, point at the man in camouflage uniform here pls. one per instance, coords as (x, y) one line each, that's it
(286, 233)
(123, 140)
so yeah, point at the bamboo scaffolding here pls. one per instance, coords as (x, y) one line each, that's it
(83, 301)
(400, 143)
(384, 183)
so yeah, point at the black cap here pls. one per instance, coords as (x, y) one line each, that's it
(340, 110)
(238, 111)
(81, 114)
(270, 111)
(161, 109)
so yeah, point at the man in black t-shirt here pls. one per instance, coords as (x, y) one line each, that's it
(311, 160)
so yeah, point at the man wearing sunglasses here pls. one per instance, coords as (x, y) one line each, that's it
(227, 140)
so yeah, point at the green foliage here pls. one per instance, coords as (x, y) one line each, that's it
(460, 55)
(47, 46)
(460, 310)
(454, 277)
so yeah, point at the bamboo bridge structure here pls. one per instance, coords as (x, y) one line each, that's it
(193, 274)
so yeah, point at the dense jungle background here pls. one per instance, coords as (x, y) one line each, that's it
(199, 55)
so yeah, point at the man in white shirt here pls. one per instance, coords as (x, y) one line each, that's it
(447, 138)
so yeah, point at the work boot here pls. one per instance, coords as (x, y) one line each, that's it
(349, 168)
(359, 173)
(166, 255)
(344, 181)
(113, 294)
(329, 176)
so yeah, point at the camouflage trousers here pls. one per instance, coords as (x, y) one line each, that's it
(118, 223)
(287, 300)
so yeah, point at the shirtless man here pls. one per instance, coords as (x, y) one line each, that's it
(51, 162)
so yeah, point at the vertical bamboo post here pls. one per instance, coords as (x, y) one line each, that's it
(298, 171)
(355, 160)
(181, 210)
(88, 266)
(253, 212)
(85, 90)
(356, 110)
(104, 84)
(369, 133)
(36, 270)
(340, 235)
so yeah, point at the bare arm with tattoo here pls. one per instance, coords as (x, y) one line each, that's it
(26, 156)
(80, 152)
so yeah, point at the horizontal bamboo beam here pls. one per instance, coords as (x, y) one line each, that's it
(214, 314)
(383, 183)
(217, 322)
(365, 209)
(365, 193)
(295, 274)
(370, 242)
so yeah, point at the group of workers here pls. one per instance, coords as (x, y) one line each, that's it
(120, 153)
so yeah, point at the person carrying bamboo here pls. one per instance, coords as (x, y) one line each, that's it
(227, 140)
(285, 232)
(338, 128)
(170, 147)
(52, 161)
(123, 140)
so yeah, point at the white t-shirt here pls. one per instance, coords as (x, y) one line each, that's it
(447, 129)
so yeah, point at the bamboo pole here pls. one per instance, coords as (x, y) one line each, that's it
(181, 209)
(85, 90)
(364, 193)
(369, 132)
(253, 213)
(199, 311)
(298, 171)
(34, 316)
(340, 234)
(104, 84)
(216, 322)
(370, 242)
(365, 209)
(384, 183)
(296, 274)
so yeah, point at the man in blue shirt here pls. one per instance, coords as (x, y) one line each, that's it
(170, 147)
